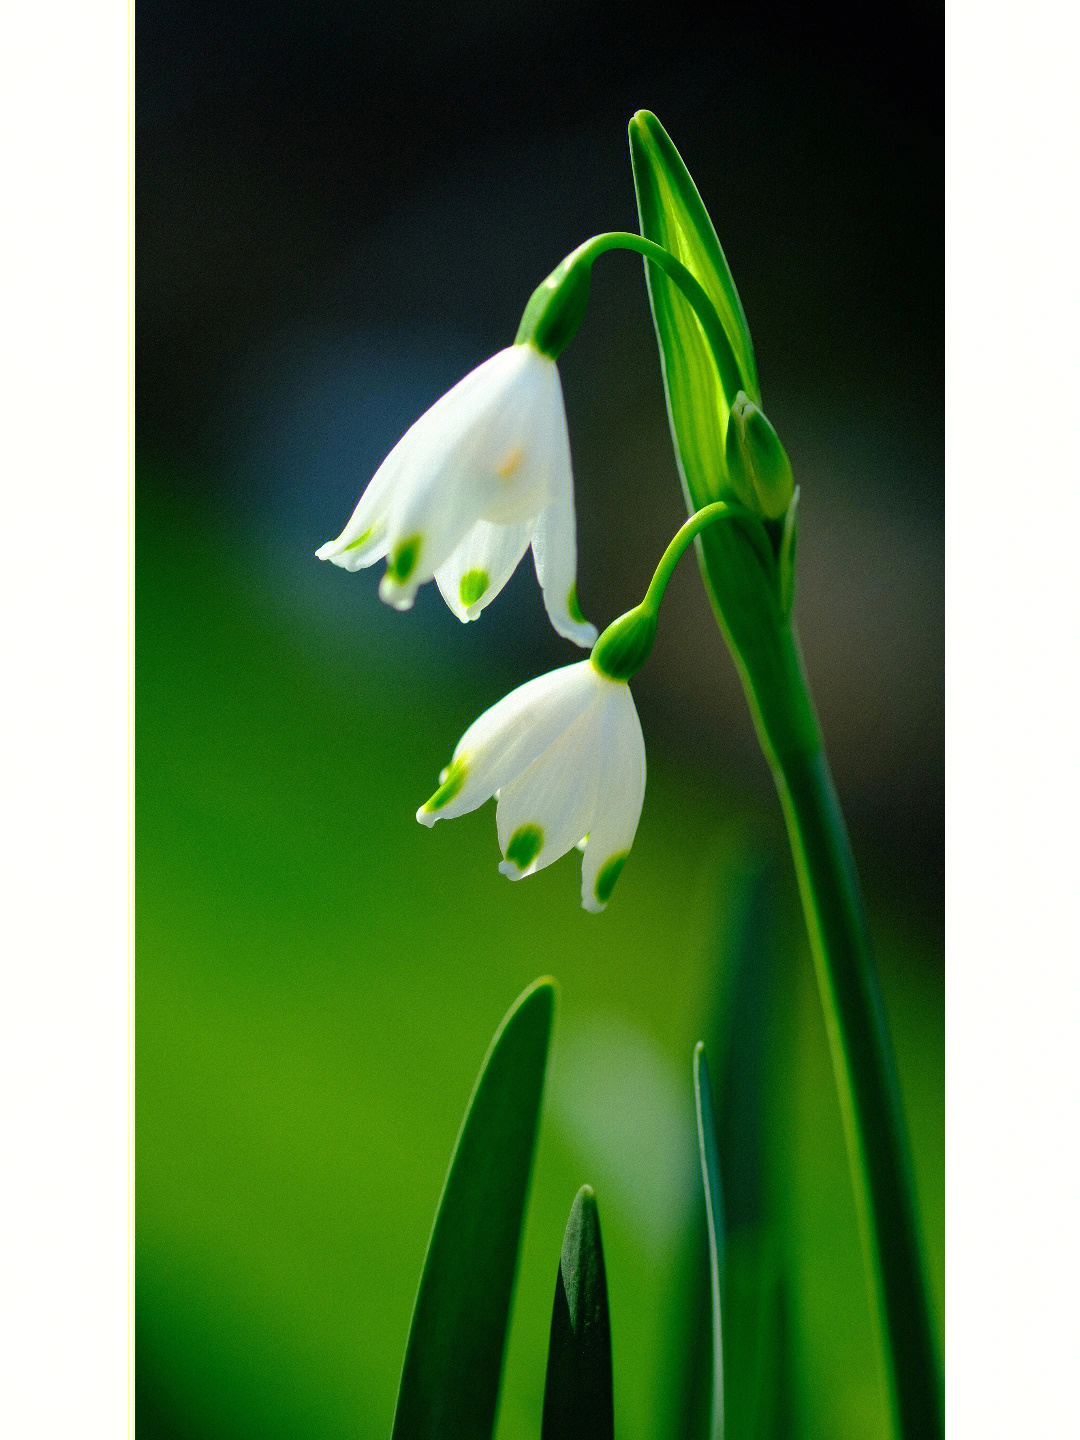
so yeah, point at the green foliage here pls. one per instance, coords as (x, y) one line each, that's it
(789, 537)
(578, 1403)
(739, 560)
(457, 1340)
(714, 1219)
(751, 594)
(672, 214)
(756, 1079)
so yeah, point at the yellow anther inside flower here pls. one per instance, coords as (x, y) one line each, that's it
(511, 464)
(481, 476)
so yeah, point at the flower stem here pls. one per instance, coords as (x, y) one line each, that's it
(555, 310)
(681, 540)
(861, 1052)
(624, 646)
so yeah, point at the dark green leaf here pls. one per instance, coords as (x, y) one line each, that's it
(671, 213)
(714, 1216)
(578, 1397)
(453, 1363)
(757, 1341)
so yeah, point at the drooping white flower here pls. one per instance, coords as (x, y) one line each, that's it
(565, 756)
(478, 478)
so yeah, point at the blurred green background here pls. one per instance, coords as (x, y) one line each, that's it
(340, 210)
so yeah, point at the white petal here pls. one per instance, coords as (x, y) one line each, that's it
(620, 793)
(518, 436)
(544, 812)
(414, 464)
(471, 452)
(364, 539)
(555, 541)
(506, 739)
(481, 565)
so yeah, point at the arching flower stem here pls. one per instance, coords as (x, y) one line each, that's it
(681, 542)
(626, 644)
(557, 305)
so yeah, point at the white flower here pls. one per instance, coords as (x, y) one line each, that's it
(565, 756)
(480, 476)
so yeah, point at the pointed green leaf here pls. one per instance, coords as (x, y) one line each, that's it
(714, 1216)
(677, 219)
(671, 213)
(454, 1359)
(578, 1396)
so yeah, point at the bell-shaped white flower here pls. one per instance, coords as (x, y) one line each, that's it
(478, 478)
(565, 757)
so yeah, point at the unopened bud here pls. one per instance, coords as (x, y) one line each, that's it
(757, 463)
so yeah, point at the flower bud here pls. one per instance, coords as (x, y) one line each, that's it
(626, 644)
(757, 463)
(556, 308)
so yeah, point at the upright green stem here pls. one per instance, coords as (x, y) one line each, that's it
(862, 1055)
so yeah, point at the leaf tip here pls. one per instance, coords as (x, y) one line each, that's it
(543, 991)
(584, 1212)
(701, 1067)
(578, 1390)
(644, 122)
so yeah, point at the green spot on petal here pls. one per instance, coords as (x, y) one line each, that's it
(609, 873)
(473, 584)
(403, 561)
(453, 780)
(360, 539)
(525, 844)
(573, 606)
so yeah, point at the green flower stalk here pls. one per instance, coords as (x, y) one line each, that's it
(729, 453)
(748, 569)
(622, 649)
(556, 307)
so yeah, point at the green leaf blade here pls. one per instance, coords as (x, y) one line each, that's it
(457, 1340)
(578, 1401)
(672, 214)
(667, 191)
(714, 1216)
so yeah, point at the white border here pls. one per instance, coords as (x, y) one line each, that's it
(1013, 237)
(1013, 718)
(66, 133)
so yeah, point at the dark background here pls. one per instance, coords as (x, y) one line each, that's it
(339, 211)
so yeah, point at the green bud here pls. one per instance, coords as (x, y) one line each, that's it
(556, 308)
(626, 644)
(757, 463)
